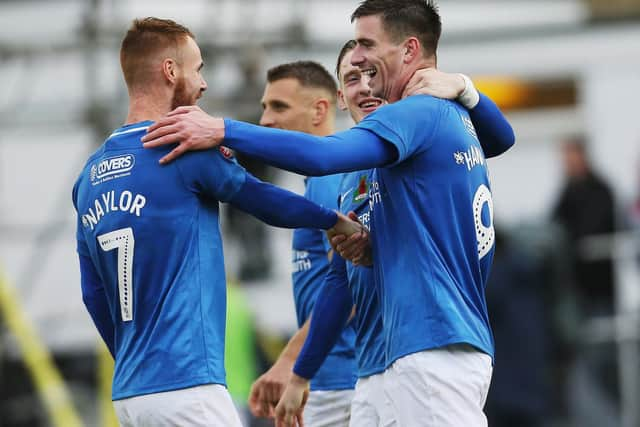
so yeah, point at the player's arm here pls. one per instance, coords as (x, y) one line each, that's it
(267, 390)
(494, 131)
(332, 310)
(298, 152)
(93, 291)
(95, 299)
(347, 151)
(281, 208)
(211, 175)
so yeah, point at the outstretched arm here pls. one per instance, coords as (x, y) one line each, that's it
(282, 208)
(355, 149)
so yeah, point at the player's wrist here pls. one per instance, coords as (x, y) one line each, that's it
(469, 97)
(298, 381)
(287, 360)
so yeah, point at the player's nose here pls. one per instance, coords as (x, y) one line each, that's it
(357, 57)
(266, 120)
(364, 88)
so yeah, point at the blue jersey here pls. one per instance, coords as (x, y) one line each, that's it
(433, 237)
(370, 352)
(310, 266)
(153, 237)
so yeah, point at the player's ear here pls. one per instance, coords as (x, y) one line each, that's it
(170, 70)
(410, 50)
(341, 102)
(321, 109)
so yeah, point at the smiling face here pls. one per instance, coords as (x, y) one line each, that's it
(355, 94)
(380, 58)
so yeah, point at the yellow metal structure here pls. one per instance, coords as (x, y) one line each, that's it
(46, 377)
(105, 376)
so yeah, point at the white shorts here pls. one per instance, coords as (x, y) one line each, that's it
(205, 405)
(329, 408)
(445, 387)
(370, 406)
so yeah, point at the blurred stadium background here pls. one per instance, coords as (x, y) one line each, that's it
(558, 68)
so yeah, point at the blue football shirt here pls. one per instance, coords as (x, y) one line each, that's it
(369, 344)
(310, 266)
(152, 234)
(433, 237)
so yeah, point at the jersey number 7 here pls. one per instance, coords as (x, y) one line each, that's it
(123, 241)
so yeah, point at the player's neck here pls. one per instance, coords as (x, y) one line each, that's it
(143, 107)
(325, 129)
(418, 64)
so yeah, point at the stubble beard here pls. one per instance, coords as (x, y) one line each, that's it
(180, 96)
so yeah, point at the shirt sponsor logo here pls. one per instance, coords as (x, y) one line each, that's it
(468, 125)
(374, 195)
(301, 261)
(471, 158)
(111, 168)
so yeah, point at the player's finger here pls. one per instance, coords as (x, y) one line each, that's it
(354, 216)
(161, 136)
(409, 87)
(289, 420)
(254, 400)
(281, 417)
(273, 392)
(173, 154)
(265, 408)
(165, 121)
(163, 140)
(182, 110)
(337, 239)
(417, 81)
(272, 410)
(354, 250)
(351, 241)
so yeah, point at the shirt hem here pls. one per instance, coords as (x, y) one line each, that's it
(164, 388)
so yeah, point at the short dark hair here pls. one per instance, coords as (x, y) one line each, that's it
(347, 47)
(405, 18)
(307, 73)
(145, 38)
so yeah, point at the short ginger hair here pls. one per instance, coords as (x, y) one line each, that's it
(145, 40)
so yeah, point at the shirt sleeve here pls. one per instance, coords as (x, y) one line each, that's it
(81, 241)
(306, 154)
(408, 124)
(494, 131)
(95, 300)
(330, 315)
(279, 207)
(214, 173)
